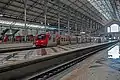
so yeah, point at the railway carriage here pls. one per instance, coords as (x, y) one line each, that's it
(73, 39)
(64, 40)
(45, 40)
(48, 39)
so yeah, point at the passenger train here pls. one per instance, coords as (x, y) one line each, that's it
(44, 40)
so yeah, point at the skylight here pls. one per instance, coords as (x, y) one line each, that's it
(103, 7)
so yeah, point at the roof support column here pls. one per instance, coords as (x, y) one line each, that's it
(36, 31)
(110, 29)
(76, 23)
(11, 37)
(85, 24)
(45, 14)
(76, 28)
(58, 24)
(95, 29)
(92, 26)
(89, 25)
(25, 16)
(82, 23)
(68, 21)
(58, 17)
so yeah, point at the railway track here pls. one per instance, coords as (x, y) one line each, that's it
(5, 50)
(57, 69)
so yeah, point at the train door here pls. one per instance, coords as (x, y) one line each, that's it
(52, 40)
(58, 39)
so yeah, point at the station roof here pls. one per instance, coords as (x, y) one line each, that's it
(101, 11)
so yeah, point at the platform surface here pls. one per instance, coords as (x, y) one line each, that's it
(13, 45)
(105, 65)
(21, 56)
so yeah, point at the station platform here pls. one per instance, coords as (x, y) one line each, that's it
(21, 56)
(14, 45)
(27, 64)
(104, 65)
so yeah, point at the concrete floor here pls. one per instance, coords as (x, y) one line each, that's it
(20, 56)
(8, 46)
(105, 65)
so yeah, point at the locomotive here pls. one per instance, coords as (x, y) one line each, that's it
(46, 39)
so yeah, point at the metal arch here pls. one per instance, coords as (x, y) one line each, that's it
(28, 9)
(91, 10)
(75, 10)
(118, 16)
(52, 17)
(101, 9)
(34, 15)
(105, 8)
(17, 7)
(6, 5)
(112, 16)
(113, 6)
(88, 8)
(109, 9)
(83, 9)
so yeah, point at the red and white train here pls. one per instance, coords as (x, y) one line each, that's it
(53, 40)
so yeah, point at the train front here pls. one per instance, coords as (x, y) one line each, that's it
(41, 40)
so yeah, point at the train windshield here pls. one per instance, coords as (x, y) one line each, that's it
(0, 38)
(42, 36)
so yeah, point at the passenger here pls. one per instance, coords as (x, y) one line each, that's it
(5, 38)
(0, 39)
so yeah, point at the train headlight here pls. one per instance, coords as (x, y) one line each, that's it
(42, 41)
(36, 41)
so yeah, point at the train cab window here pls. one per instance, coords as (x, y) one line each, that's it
(0, 38)
(61, 39)
(42, 36)
(73, 39)
(64, 39)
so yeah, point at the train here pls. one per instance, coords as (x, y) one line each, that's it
(46, 39)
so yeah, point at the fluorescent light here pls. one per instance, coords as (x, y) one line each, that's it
(82, 32)
(48, 24)
(20, 24)
(1, 15)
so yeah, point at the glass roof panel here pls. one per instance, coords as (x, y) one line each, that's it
(103, 7)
